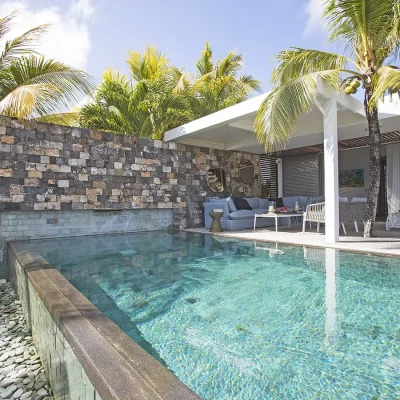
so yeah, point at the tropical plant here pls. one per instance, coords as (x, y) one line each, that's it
(144, 104)
(157, 96)
(31, 86)
(216, 85)
(369, 31)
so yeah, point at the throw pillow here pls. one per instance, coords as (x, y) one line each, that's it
(241, 204)
(279, 202)
(231, 205)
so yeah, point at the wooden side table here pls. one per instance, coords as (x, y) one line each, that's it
(216, 221)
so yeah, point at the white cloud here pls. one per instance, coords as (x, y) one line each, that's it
(68, 37)
(315, 22)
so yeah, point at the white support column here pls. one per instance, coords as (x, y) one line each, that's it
(331, 171)
(280, 177)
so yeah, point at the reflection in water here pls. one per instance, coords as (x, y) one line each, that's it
(331, 264)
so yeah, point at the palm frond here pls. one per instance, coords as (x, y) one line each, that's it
(21, 45)
(150, 65)
(361, 25)
(278, 114)
(205, 64)
(386, 80)
(5, 24)
(66, 118)
(296, 62)
(34, 87)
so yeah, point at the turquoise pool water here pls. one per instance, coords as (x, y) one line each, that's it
(236, 320)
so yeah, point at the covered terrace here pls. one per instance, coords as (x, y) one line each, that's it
(335, 123)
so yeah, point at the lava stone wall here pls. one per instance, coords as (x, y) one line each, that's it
(58, 168)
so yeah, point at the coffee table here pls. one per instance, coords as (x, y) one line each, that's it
(276, 216)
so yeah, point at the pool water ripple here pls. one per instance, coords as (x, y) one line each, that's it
(233, 321)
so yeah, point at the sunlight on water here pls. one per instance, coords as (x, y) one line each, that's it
(240, 320)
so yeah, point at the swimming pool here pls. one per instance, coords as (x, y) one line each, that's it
(241, 320)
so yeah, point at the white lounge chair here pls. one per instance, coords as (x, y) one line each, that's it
(393, 221)
(316, 213)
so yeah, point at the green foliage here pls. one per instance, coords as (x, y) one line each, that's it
(30, 85)
(157, 96)
(369, 31)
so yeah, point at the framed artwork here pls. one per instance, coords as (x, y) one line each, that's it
(351, 178)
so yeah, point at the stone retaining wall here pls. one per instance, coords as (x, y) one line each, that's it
(46, 167)
(52, 167)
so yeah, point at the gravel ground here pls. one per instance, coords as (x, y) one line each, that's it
(21, 372)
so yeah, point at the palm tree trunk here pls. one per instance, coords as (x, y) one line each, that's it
(374, 167)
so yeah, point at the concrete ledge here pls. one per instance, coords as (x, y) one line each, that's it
(116, 366)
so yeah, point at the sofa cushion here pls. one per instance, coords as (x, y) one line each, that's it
(242, 214)
(319, 199)
(289, 202)
(358, 200)
(253, 202)
(231, 204)
(304, 201)
(263, 203)
(241, 204)
(343, 200)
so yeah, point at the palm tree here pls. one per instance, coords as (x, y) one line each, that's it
(216, 86)
(33, 87)
(370, 33)
(144, 104)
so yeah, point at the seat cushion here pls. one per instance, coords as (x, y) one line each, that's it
(253, 202)
(241, 204)
(242, 214)
(343, 200)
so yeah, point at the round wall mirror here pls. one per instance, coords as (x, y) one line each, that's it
(246, 171)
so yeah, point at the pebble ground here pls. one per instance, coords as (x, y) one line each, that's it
(22, 375)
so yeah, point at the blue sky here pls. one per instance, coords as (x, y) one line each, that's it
(94, 34)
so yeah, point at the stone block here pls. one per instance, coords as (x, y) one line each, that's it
(63, 183)
(31, 182)
(77, 147)
(5, 148)
(52, 152)
(145, 174)
(6, 172)
(95, 135)
(35, 174)
(83, 177)
(65, 168)
(7, 139)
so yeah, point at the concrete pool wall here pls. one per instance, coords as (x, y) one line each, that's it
(84, 353)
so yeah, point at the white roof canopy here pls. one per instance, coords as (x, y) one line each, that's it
(232, 128)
